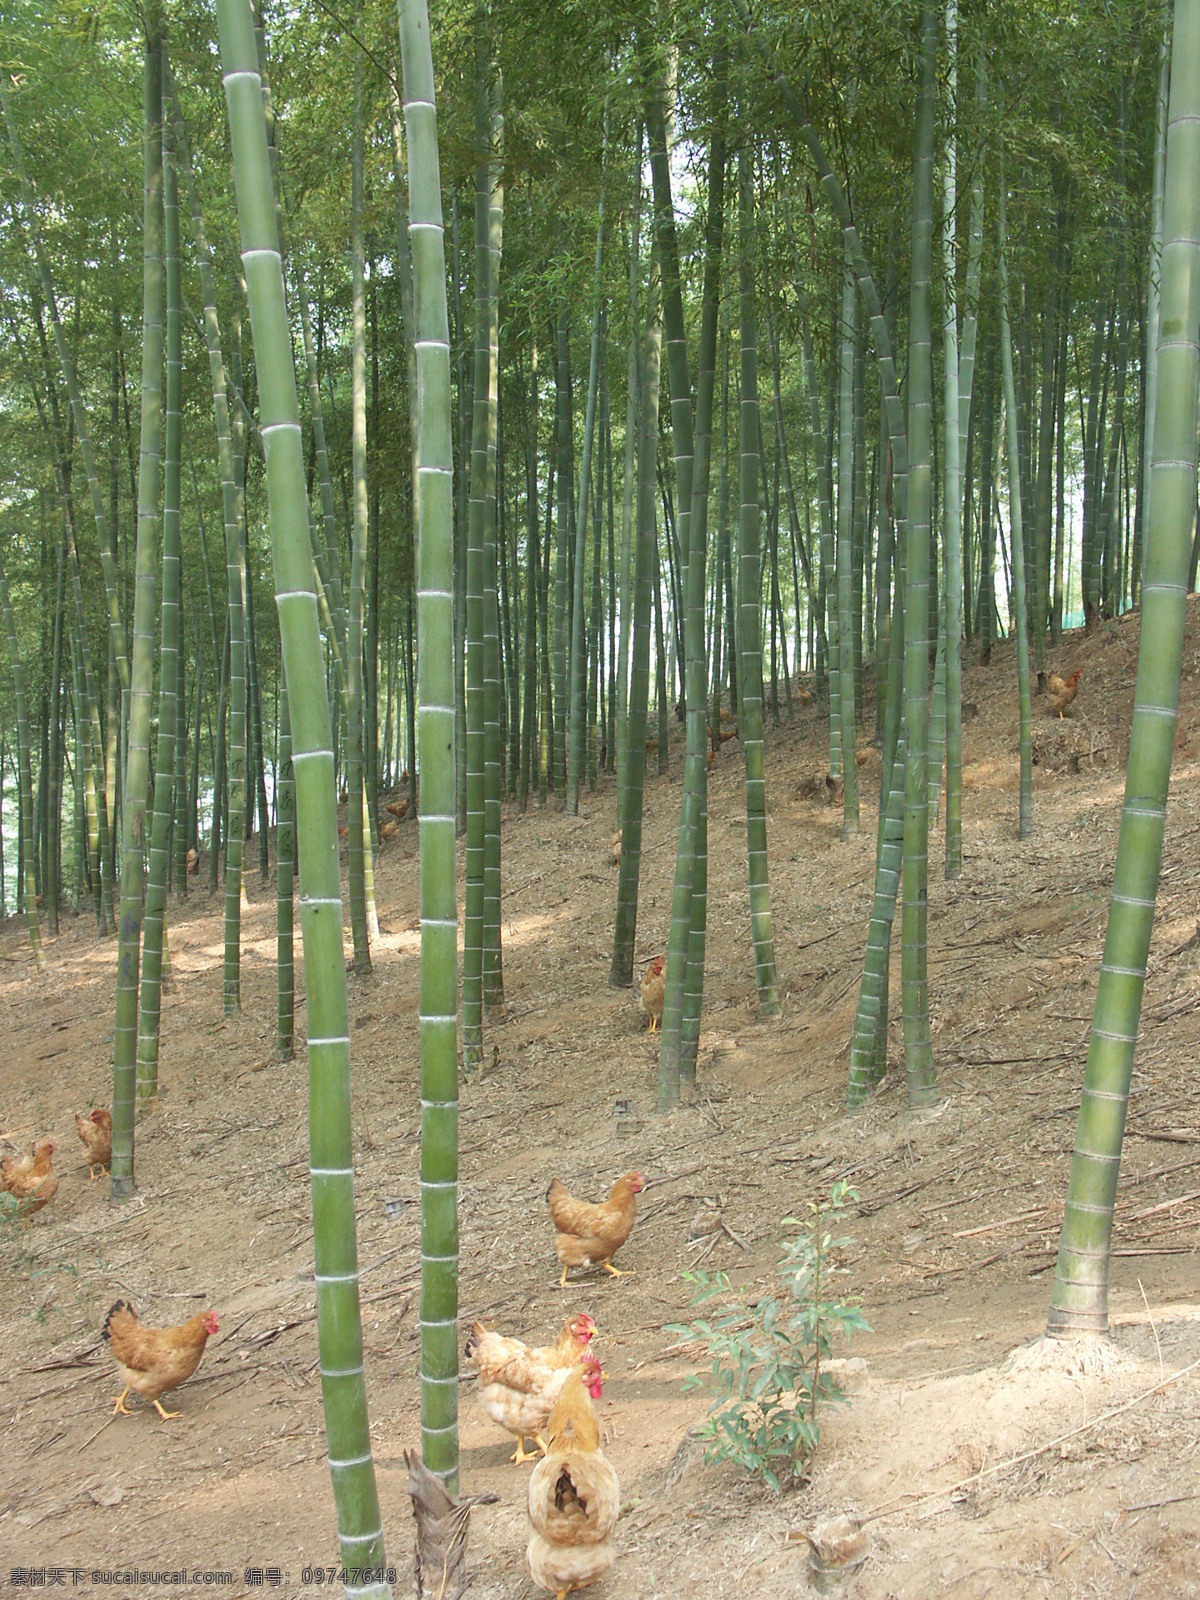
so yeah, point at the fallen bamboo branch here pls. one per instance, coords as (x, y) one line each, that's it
(1003, 1222)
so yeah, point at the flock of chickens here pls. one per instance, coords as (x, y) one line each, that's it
(151, 1360)
(31, 1178)
(546, 1393)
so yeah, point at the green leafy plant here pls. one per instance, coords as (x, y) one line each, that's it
(769, 1351)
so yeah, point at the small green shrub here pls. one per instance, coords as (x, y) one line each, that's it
(768, 1352)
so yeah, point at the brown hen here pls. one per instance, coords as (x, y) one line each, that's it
(519, 1383)
(95, 1130)
(574, 1497)
(589, 1235)
(154, 1360)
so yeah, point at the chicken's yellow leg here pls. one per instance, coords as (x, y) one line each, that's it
(121, 1409)
(653, 1024)
(165, 1415)
(618, 1272)
(521, 1454)
(562, 1282)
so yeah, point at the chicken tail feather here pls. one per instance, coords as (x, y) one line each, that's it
(117, 1307)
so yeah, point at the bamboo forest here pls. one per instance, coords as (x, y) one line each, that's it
(600, 615)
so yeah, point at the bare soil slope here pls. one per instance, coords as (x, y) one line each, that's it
(987, 1476)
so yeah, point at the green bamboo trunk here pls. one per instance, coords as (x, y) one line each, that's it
(627, 494)
(750, 642)
(722, 657)
(843, 668)
(797, 537)
(868, 1043)
(863, 567)
(696, 762)
(1153, 293)
(826, 640)
(435, 481)
(168, 699)
(234, 509)
(532, 566)
(646, 530)
(179, 821)
(339, 1330)
(464, 404)
(529, 663)
(609, 713)
(562, 520)
(53, 747)
(1020, 616)
(659, 112)
(596, 612)
(233, 766)
(482, 510)
(493, 689)
(137, 760)
(955, 440)
(546, 722)
(1080, 1298)
(918, 1042)
(25, 782)
(575, 752)
(359, 840)
(937, 709)
(99, 833)
(285, 871)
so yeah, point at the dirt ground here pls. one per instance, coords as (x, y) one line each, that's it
(983, 1475)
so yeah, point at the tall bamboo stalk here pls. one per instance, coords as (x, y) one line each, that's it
(630, 460)
(918, 1041)
(339, 1328)
(168, 698)
(235, 595)
(463, 398)
(435, 480)
(532, 565)
(1080, 1298)
(493, 776)
(562, 393)
(575, 753)
(285, 872)
(481, 510)
(659, 114)
(25, 782)
(868, 1042)
(696, 764)
(233, 680)
(141, 675)
(1020, 619)
(1153, 278)
(645, 553)
(750, 642)
(844, 665)
(359, 835)
(179, 823)
(955, 438)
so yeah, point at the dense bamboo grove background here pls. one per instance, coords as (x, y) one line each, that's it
(767, 356)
